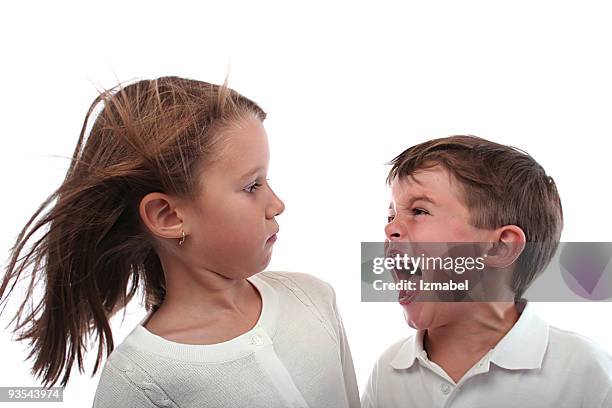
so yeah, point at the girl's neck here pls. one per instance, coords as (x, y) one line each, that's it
(207, 291)
(203, 307)
(193, 290)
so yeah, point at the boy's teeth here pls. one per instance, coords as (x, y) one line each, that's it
(405, 296)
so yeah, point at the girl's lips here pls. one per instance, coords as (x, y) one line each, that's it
(272, 239)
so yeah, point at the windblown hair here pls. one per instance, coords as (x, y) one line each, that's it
(500, 185)
(95, 252)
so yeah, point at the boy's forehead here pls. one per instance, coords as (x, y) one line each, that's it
(434, 183)
(421, 181)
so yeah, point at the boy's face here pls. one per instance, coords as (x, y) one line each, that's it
(427, 207)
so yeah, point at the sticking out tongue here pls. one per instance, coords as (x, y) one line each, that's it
(409, 274)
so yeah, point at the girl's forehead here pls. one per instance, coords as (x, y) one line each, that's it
(242, 151)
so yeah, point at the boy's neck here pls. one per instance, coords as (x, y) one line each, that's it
(456, 347)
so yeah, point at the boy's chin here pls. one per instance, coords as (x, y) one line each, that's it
(411, 316)
(414, 316)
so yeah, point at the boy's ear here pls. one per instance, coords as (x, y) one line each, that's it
(507, 248)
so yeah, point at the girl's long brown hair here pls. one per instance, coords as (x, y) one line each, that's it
(94, 252)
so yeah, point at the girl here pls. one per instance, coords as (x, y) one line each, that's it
(170, 190)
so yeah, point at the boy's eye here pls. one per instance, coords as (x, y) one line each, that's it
(419, 211)
(252, 187)
(390, 218)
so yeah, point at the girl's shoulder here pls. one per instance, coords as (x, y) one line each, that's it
(306, 282)
(303, 285)
(123, 382)
(313, 295)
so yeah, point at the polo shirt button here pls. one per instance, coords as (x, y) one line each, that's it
(256, 340)
(445, 388)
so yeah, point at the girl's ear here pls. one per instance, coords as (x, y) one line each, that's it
(508, 247)
(161, 216)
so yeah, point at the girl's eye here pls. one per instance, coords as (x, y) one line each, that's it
(390, 218)
(252, 187)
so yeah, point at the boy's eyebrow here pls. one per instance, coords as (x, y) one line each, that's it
(412, 199)
(422, 197)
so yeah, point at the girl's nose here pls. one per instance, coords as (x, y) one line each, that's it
(276, 207)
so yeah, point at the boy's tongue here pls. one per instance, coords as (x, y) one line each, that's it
(408, 275)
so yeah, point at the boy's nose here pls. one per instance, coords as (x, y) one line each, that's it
(393, 231)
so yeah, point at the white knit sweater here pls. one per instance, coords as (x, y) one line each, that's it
(297, 355)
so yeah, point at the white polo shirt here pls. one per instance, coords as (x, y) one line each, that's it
(533, 366)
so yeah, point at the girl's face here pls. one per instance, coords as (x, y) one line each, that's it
(232, 225)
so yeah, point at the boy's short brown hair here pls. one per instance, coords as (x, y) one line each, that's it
(501, 185)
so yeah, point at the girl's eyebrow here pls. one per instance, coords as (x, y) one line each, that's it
(251, 173)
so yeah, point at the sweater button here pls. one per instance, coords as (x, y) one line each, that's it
(256, 340)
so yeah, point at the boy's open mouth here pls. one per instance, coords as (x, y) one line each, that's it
(409, 274)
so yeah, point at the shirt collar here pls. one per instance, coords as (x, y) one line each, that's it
(523, 347)
(409, 351)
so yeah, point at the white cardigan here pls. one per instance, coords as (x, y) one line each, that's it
(297, 355)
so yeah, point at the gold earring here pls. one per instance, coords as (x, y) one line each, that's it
(182, 238)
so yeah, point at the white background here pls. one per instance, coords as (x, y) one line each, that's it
(347, 86)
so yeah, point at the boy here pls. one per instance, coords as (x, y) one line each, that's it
(482, 354)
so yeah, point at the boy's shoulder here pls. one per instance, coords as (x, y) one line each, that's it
(578, 350)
